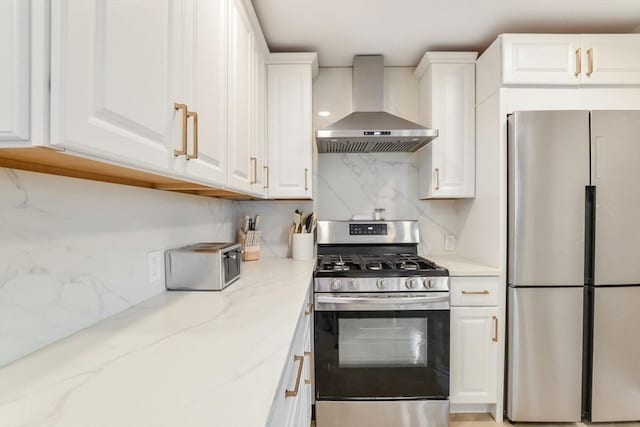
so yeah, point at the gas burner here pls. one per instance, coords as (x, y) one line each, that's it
(411, 267)
(376, 266)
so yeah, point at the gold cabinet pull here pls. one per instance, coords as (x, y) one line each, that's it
(177, 106)
(306, 186)
(266, 177)
(309, 309)
(254, 162)
(590, 62)
(578, 62)
(436, 178)
(194, 115)
(495, 329)
(485, 292)
(308, 380)
(294, 392)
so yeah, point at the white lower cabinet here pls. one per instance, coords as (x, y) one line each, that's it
(475, 343)
(292, 404)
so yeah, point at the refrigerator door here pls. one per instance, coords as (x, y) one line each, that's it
(545, 354)
(615, 173)
(616, 354)
(548, 154)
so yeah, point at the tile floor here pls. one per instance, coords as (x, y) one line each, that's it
(486, 420)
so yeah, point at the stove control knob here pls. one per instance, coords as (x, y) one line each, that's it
(380, 283)
(353, 284)
(411, 283)
(428, 283)
(336, 284)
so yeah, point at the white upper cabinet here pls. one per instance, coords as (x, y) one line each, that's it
(570, 59)
(241, 85)
(14, 72)
(542, 58)
(205, 67)
(446, 166)
(114, 79)
(259, 148)
(289, 125)
(611, 59)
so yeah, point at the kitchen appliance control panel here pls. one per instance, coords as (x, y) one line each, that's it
(368, 229)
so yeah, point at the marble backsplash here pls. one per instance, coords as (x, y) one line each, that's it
(73, 252)
(354, 184)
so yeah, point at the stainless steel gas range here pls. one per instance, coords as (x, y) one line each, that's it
(381, 328)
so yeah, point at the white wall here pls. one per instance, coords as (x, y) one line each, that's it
(73, 252)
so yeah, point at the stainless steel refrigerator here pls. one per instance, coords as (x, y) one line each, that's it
(573, 266)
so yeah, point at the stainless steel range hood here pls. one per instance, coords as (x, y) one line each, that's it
(369, 129)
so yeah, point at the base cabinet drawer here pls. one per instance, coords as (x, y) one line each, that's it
(474, 291)
(474, 354)
(292, 404)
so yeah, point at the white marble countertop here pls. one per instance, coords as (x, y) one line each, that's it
(460, 266)
(185, 359)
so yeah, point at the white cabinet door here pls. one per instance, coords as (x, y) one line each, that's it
(290, 134)
(205, 64)
(474, 354)
(15, 51)
(241, 54)
(259, 139)
(611, 59)
(446, 166)
(544, 59)
(114, 72)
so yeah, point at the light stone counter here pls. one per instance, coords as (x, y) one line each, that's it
(182, 359)
(460, 266)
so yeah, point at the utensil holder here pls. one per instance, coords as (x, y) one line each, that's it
(302, 246)
(250, 242)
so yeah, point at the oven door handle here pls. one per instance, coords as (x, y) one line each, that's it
(325, 301)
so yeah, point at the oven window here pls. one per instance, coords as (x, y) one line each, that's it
(371, 355)
(382, 342)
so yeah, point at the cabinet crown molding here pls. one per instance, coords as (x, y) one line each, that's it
(444, 58)
(310, 58)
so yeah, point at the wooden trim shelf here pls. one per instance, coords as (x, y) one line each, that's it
(54, 162)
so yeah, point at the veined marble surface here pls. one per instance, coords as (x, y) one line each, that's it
(358, 183)
(185, 359)
(461, 266)
(73, 252)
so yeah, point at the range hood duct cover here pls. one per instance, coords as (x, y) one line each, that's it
(369, 129)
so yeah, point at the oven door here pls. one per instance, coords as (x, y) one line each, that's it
(382, 346)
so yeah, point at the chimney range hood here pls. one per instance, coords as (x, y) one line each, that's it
(369, 129)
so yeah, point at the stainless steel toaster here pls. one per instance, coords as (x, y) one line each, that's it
(203, 266)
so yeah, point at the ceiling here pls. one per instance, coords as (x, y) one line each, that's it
(402, 30)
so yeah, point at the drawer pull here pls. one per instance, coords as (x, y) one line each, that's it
(485, 292)
(294, 392)
(495, 329)
(308, 354)
(309, 309)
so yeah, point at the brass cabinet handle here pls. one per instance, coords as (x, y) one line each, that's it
(254, 161)
(578, 62)
(194, 115)
(590, 60)
(294, 392)
(266, 177)
(436, 179)
(495, 329)
(306, 186)
(177, 106)
(309, 309)
(485, 292)
(308, 354)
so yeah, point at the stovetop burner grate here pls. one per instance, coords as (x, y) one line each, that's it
(392, 263)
